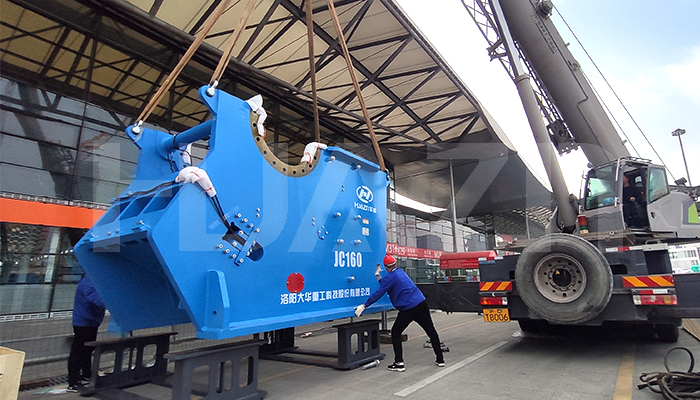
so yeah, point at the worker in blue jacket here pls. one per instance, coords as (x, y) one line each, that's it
(88, 313)
(412, 306)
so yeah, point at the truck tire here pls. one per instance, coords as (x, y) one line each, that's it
(564, 279)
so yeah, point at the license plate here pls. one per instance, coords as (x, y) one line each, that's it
(496, 315)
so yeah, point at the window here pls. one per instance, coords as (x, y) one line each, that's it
(32, 181)
(423, 225)
(658, 186)
(59, 147)
(33, 154)
(37, 265)
(600, 188)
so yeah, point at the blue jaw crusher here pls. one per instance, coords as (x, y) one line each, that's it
(241, 243)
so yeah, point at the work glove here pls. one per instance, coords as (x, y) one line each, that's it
(377, 270)
(359, 310)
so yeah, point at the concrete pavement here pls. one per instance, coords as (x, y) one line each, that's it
(485, 361)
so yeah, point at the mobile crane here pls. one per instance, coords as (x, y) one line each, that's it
(605, 258)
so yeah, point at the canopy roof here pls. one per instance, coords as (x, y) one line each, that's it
(119, 51)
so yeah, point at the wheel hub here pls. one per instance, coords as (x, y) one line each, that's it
(560, 278)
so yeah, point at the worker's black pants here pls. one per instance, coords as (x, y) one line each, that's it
(420, 314)
(635, 214)
(80, 358)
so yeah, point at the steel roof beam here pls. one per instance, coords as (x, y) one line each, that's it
(423, 121)
(333, 51)
(163, 34)
(459, 121)
(201, 19)
(408, 95)
(272, 42)
(70, 74)
(323, 35)
(467, 130)
(366, 46)
(125, 75)
(371, 80)
(258, 29)
(58, 45)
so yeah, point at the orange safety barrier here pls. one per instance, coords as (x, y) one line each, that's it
(37, 213)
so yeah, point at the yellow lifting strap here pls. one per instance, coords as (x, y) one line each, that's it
(312, 67)
(351, 70)
(233, 38)
(226, 58)
(223, 62)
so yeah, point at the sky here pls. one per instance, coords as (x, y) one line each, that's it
(648, 51)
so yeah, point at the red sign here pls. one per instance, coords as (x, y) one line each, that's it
(469, 259)
(405, 251)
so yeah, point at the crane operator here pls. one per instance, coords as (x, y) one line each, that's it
(633, 204)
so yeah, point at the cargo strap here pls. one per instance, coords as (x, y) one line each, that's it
(312, 67)
(233, 38)
(218, 72)
(351, 70)
(226, 58)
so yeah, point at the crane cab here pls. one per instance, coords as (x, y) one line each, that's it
(633, 194)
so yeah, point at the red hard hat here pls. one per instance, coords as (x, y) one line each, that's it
(389, 260)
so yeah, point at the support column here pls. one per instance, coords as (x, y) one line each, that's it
(453, 201)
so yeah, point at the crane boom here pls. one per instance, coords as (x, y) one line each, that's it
(561, 75)
(565, 217)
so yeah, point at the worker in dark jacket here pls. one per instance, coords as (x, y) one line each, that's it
(88, 313)
(633, 204)
(412, 306)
